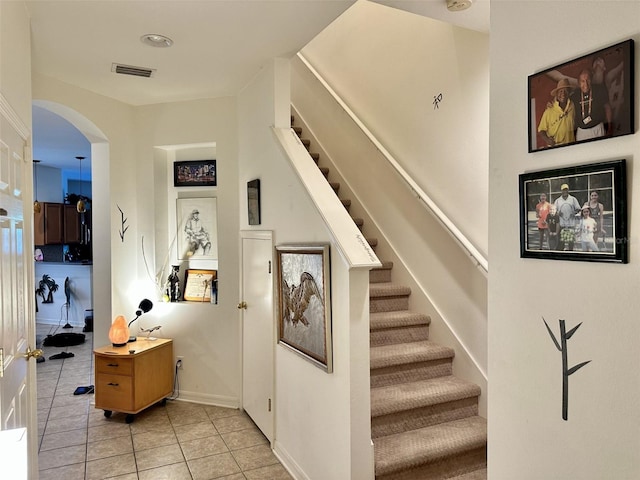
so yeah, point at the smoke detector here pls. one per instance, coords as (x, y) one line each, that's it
(458, 5)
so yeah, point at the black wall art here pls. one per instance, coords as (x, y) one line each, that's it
(562, 346)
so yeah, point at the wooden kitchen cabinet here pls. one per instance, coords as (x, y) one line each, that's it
(72, 232)
(49, 224)
(130, 382)
(60, 223)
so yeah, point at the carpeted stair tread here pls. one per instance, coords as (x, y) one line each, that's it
(381, 274)
(388, 289)
(430, 444)
(480, 474)
(385, 265)
(399, 318)
(406, 353)
(397, 398)
(358, 221)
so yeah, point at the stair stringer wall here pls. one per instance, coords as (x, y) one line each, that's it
(445, 283)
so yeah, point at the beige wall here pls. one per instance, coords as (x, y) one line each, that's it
(389, 65)
(528, 439)
(127, 175)
(390, 94)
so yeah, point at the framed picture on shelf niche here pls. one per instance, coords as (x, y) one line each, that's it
(195, 173)
(575, 213)
(304, 303)
(585, 99)
(197, 227)
(200, 286)
(253, 201)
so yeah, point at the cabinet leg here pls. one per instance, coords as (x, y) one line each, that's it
(129, 418)
(107, 413)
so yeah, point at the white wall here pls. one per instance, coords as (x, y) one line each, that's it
(126, 175)
(528, 439)
(389, 65)
(80, 285)
(316, 429)
(49, 184)
(206, 335)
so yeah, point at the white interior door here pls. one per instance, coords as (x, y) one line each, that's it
(258, 337)
(17, 373)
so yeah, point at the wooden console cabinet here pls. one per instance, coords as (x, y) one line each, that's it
(130, 382)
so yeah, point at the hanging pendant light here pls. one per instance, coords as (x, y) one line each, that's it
(81, 206)
(37, 208)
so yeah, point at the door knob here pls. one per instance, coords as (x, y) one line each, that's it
(242, 305)
(37, 353)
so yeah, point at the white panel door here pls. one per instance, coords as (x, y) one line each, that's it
(17, 374)
(258, 332)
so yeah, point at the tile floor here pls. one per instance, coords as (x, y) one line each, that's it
(177, 441)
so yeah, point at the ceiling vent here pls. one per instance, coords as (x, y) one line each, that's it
(130, 70)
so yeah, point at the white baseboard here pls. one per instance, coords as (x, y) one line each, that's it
(206, 399)
(289, 463)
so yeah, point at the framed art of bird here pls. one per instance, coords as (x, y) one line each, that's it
(304, 306)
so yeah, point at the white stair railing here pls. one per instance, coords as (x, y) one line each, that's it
(474, 254)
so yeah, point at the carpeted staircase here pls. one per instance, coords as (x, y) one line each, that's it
(424, 420)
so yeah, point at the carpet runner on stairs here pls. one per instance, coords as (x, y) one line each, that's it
(424, 420)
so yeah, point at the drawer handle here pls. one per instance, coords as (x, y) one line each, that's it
(113, 384)
(112, 365)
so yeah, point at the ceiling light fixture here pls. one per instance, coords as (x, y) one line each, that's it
(156, 40)
(37, 208)
(458, 5)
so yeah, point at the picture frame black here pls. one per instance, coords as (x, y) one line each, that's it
(253, 201)
(304, 302)
(195, 173)
(612, 81)
(609, 211)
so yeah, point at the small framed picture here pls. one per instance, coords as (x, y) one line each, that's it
(304, 303)
(200, 285)
(575, 213)
(197, 227)
(585, 99)
(253, 201)
(195, 173)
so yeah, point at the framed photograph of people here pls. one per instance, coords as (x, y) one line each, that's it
(197, 227)
(304, 303)
(585, 99)
(575, 213)
(195, 173)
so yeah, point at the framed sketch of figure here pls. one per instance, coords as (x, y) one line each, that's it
(197, 224)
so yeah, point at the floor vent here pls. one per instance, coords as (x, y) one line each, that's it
(130, 70)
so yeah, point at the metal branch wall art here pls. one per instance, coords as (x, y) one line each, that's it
(123, 221)
(566, 371)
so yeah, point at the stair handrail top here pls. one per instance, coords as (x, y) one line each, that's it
(349, 239)
(476, 256)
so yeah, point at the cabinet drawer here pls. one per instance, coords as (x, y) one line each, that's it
(114, 365)
(114, 392)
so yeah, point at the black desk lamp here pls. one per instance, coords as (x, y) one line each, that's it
(144, 307)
